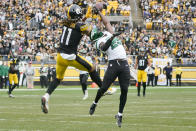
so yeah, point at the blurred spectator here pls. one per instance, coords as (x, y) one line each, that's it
(168, 72)
(43, 76)
(30, 74)
(178, 72)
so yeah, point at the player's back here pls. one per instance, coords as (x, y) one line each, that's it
(70, 38)
(142, 62)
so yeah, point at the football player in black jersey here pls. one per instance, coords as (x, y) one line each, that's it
(73, 31)
(142, 64)
(13, 75)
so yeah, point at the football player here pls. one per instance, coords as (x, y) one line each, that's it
(117, 67)
(73, 31)
(142, 63)
(13, 77)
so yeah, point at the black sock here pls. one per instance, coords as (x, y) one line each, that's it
(138, 88)
(96, 78)
(123, 99)
(53, 85)
(144, 88)
(84, 87)
(100, 93)
(12, 88)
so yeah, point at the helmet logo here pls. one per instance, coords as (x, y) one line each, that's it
(78, 11)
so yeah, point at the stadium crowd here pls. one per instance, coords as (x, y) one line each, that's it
(39, 41)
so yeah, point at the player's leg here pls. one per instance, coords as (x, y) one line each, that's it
(82, 64)
(41, 82)
(179, 80)
(109, 78)
(83, 81)
(14, 78)
(61, 66)
(144, 79)
(124, 79)
(139, 78)
(45, 82)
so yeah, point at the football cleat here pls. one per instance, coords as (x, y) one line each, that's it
(92, 109)
(119, 120)
(11, 96)
(110, 91)
(44, 105)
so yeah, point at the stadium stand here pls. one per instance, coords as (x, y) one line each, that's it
(31, 28)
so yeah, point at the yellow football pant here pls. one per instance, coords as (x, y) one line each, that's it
(80, 63)
(141, 76)
(13, 77)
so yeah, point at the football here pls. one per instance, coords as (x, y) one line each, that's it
(99, 6)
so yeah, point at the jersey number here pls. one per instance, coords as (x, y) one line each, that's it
(68, 36)
(141, 62)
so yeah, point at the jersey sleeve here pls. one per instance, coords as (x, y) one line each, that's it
(82, 27)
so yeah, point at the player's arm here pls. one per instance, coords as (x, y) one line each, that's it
(136, 63)
(106, 23)
(86, 29)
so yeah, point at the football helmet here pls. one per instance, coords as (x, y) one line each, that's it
(142, 51)
(74, 12)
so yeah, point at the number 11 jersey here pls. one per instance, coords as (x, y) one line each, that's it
(70, 38)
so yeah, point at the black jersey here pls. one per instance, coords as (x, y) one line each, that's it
(71, 37)
(14, 67)
(142, 62)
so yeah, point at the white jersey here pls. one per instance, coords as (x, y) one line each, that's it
(116, 50)
(90, 60)
(30, 71)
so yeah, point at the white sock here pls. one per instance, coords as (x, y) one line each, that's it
(47, 96)
(119, 114)
(86, 92)
(94, 103)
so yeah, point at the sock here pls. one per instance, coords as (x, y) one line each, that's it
(96, 78)
(94, 103)
(86, 92)
(138, 88)
(119, 114)
(47, 96)
(10, 87)
(53, 85)
(84, 87)
(144, 88)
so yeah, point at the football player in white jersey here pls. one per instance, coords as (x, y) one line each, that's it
(108, 42)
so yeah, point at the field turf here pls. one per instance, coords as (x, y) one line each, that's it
(163, 109)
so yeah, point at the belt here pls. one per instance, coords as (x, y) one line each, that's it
(118, 60)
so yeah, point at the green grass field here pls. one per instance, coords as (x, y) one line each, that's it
(163, 109)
